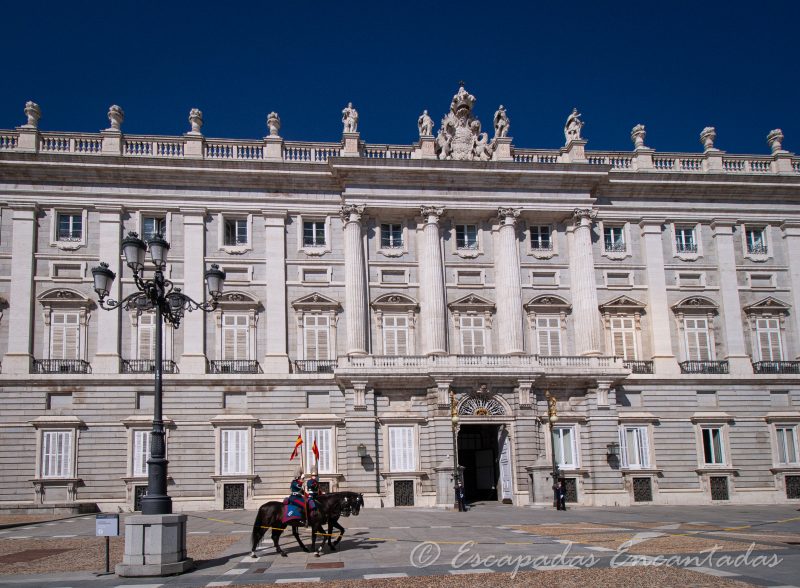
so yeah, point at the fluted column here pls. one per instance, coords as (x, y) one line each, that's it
(507, 284)
(21, 295)
(582, 284)
(355, 293)
(433, 310)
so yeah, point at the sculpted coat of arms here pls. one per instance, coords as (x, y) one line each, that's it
(460, 135)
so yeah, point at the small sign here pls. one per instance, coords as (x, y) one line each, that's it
(106, 525)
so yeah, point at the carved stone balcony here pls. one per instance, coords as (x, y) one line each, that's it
(234, 366)
(314, 366)
(148, 366)
(776, 367)
(639, 366)
(61, 366)
(704, 367)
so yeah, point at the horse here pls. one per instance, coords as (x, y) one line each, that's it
(270, 516)
(335, 505)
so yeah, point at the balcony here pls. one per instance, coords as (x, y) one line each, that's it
(148, 366)
(639, 366)
(314, 366)
(757, 249)
(685, 247)
(776, 367)
(704, 367)
(234, 366)
(61, 366)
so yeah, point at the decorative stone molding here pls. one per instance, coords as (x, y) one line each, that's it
(359, 394)
(431, 213)
(580, 215)
(443, 393)
(698, 241)
(508, 215)
(72, 244)
(352, 213)
(397, 304)
(758, 255)
(460, 137)
(775, 140)
(524, 391)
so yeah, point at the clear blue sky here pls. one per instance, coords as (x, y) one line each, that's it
(674, 66)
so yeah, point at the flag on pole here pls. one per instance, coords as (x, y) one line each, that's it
(315, 449)
(297, 445)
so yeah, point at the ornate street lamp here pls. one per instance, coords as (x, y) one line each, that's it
(552, 417)
(456, 472)
(169, 303)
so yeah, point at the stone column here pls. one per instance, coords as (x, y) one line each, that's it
(106, 360)
(21, 294)
(791, 234)
(276, 358)
(583, 286)
(193, 360)
(355, 292)
(507, 284)
(433, 309)
(664, 361)
(738, 359)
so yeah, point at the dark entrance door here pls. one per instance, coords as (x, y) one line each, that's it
(478, 455)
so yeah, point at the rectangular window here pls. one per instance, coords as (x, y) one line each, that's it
(548, 335)
(395, 335)
(235, 232)
(153, 227)
(713, 453)
(323, 437)
(70, 227)
(634, 447)
(315, 332)
(391, 236)
(756, 241)
(235, 336)
(57, 454)
(146, 336)
(64, 335)
(314, 233)
(698, 344)
(787, 445)
(472, 335)
(768, 332)
(235, 450)
(623, 338)
(540, 238)
(684, 240)
(565, 449)
(401, 449)
(141, 452)
(466, 236)
(614, 239)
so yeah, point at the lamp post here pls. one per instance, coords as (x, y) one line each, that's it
(456, 473)
(552, 417)
(169, 303)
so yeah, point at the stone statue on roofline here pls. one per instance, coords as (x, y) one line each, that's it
(350, 119)
(501, 122)
(425, 124)
(33, 112)
(273, 124)
(196, 121)
(573, 126)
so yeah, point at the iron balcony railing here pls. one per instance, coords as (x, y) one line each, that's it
(61, 366)
(314, 366)
(234, 366)
(614, 247)
(685, 247)
(639, 366)
(148, 366)
(704, 367)
(757, 249)
(776, 367)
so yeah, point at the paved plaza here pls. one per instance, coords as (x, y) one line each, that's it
(714, 546)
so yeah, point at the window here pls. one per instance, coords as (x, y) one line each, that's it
(141, 452)
(315, 333)
(391, 236)
(548, 335)
(466, 236)
(614, 239)
(314, 233)
(395, 335)
(756, 241)
(70, 227)
(401, 449)
(472, 335)
(64, 335)
(768, 334)
(698, 346)
(787, 444)
(623, 337)
(56, 454)
(146, 336)
(685, 240)
(565, 449)
(154, 227)
(235, 232)
(235, 336)
(713, 453)
(540, 238)
(635, 447)
(323, 438)
(235, 449)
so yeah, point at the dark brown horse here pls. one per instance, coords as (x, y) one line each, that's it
(335, 505)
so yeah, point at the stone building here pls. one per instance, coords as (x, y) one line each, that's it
(655, 296)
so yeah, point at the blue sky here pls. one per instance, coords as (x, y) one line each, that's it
(674, 66)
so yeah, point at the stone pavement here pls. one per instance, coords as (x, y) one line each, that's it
(490, 538)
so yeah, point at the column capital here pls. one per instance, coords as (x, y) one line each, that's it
(431, 213)
(722, 226)
(790, 228)
(652, 225)
(274, 218)
(352, 213)
(508, 215)
(589, 214)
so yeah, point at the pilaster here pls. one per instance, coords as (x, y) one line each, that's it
(193, 360)
(433, 310)
(574, 151)
(107, 358)
(583, 286)
(508, 286)
(791, 234)
(20, 293)
(426, 148)
(502, 151)
(355, 280)
(276, 358)
(350, 144)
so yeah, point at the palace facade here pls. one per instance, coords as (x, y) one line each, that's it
(654, 296)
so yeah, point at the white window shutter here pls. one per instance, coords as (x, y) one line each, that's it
(146, 332)
(141, 452)
(623, 447)
(645, 444)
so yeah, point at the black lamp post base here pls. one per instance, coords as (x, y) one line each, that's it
(156, 505)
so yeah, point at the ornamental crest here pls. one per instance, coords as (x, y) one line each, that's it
(460, 135)
(481, 403)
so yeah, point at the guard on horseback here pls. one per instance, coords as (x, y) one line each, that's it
(295, 506)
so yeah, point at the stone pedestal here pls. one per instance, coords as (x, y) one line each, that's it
(503, 150)
(112, 142)
(28, 138)
(783, 162)
(445, 485)
(643, 159)
(194, 146)
(350, 144)
(540, 483)
(574, 151)
(155, 545)
(713, 162)
(426, 148)
(273, 148)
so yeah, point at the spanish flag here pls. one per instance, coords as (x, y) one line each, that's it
(315, 449)
(297, 445)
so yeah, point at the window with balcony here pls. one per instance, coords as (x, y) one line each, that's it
(314, 233)
(316, 318)
(768, 337)
(316, 329)
(565, 447)
(697, 340)
(756, 240)
(547, 316)
(235, 321)
(713, 445)
(685, 240)
(70, 227)
(402, 449)
(624, 338)
(541, 238)
(786, 437)
(548, 335)
(467, 237)
(391, 236)
(614, 239)
(65, 334)
(473, 335)
(236, 232)
(634, 447)
(395, 335)
(395, 319)
(235, 337)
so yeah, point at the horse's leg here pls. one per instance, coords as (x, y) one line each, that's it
(317, 528)
(296, 534)
(257, 534)
(335, 523)
(276, 535)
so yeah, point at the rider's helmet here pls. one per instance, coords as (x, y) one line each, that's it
(297, 486)
(312, 485)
